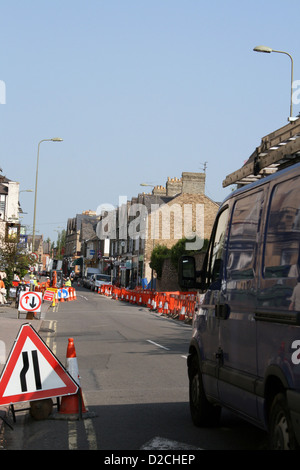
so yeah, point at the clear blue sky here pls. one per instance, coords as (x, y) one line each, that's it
(139, 90)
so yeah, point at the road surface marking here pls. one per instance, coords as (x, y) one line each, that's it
(161, 443)
(51, 343)
(90, 430)
(159, 345)
(90, 434)
(82, 296)
(72, 432)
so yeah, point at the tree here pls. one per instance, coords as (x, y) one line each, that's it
(159, 253)
(12, 259)
(60, 244)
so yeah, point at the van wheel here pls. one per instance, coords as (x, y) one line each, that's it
(202, 412)
(281, 433)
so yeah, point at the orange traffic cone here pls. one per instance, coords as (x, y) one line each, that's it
(72, 404)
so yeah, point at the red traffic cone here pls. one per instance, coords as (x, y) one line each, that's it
(72, 404)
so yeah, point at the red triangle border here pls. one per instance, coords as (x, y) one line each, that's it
(27, 331)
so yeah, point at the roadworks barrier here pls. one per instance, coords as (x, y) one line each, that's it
(65, 294)
(174, 304)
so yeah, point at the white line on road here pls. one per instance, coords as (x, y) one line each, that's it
(83, 297)
(159, 345)
(90, 432)
(72, 428)
(73, 434)
(51, 343)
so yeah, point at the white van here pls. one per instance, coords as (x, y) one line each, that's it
(97, 280)
(88, 273)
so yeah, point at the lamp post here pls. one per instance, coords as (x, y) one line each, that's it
(151, 186)
(268, 50)
(55, 139)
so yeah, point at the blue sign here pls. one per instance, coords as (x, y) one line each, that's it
(63, 293)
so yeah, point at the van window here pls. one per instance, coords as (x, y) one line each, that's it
(281, 252)
(242, 244)
(216, 248)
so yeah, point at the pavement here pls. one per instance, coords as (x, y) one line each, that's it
(10, 325)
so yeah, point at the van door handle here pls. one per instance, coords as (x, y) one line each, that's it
(222, 311)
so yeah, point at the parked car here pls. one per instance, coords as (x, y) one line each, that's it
(244, 351)
(86, 280)
(99, 279)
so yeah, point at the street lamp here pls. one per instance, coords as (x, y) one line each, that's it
(24, 191)
(55, 139)
(268, 50)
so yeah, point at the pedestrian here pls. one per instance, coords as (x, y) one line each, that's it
(2, 292)
(68, 282)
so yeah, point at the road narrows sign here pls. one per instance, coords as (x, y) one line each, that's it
(32, 372)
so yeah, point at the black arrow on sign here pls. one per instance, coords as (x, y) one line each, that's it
(25, 368)
(24, 371)
(32, 304)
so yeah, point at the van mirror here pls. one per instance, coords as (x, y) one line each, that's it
(187, 271)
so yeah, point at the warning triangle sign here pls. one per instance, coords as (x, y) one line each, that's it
(32, 372)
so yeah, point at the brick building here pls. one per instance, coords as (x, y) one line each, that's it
(188, 213)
